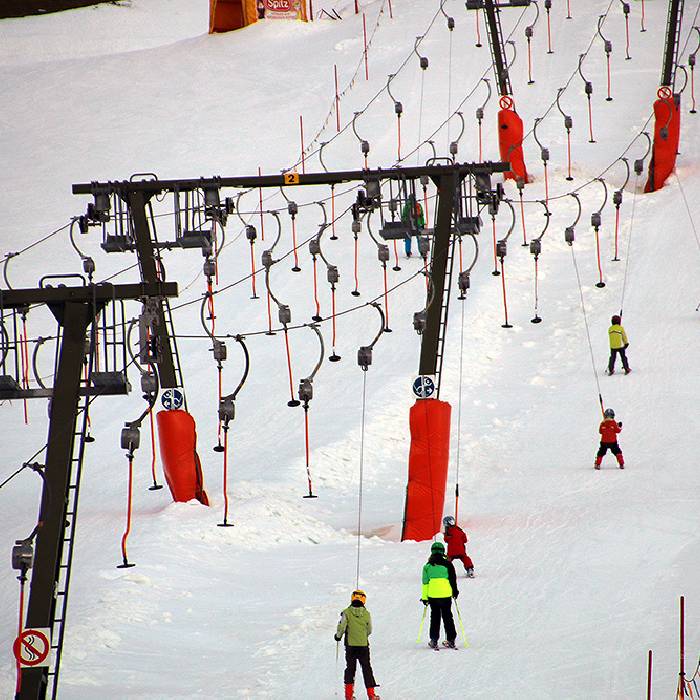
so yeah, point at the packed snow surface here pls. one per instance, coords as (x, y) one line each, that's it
(579, 572)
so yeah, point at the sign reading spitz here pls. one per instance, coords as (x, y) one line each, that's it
(285, 9)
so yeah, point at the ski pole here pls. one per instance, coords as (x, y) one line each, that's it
(461, 624)
(337, 651)
(422, 622)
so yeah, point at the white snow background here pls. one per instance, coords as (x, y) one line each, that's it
(578, 572)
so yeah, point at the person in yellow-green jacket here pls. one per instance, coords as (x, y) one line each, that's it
(618, 344)
(439, 587)
(355, 626)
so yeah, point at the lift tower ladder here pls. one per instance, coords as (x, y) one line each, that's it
(673, 37)
(444, 314)
(492, 11)
(75, 309)
(58, 623)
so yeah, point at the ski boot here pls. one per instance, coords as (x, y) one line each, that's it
(371, 694)
(433, 644)
(470, 572)
(621, 461)
(610, 371)
(449, 645)
(627, 370)
(348, 691)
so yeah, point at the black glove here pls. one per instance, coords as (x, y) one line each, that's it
(337, 638)
(425, 602)
(455, 595)
(626, 345)
(620, 424)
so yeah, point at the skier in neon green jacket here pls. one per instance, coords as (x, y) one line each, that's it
(439, 587)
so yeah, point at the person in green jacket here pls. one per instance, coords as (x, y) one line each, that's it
(355, 626)
(439, 587)
(412, 212)
(618, 344)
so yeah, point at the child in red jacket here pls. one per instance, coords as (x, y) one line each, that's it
(609, 430)
(456, 541)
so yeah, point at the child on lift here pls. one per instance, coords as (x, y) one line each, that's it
(609, 431)
(456, 541)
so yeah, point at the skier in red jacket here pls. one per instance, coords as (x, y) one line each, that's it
(456, 540)
(609, 430)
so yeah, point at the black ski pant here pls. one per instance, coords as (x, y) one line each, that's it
(441, 608)
(613, 356)
(612, 446)
(352, 656)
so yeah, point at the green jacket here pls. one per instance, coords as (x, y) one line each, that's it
(617, 336)
(418, 216)
(356, 625)
(439, 578)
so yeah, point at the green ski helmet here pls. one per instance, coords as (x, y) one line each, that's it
(437, 547)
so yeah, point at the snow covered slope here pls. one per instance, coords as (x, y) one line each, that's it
(578, 571)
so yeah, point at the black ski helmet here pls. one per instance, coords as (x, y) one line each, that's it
(609, 413)
(616, 320)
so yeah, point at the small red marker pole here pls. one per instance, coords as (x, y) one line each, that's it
(337, 99)
(364, 32)
(301, 135)
(262, 220)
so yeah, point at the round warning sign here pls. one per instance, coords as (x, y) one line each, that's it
(424, 386)
(172, 399)
(32, 648)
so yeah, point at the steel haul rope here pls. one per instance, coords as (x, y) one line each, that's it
(588, 332)
(459, 413)
(629, 244)
(362, 461)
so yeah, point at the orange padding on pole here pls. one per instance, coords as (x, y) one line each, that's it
(667, 113)
(510, 143)
(427, 469)
(177, 436)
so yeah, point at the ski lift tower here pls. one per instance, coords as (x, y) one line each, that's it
(76, 309)
(133, 232)
(493, 22)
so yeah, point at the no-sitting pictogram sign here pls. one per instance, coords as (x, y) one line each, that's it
(32, 647)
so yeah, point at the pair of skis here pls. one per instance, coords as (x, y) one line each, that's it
(445, 644)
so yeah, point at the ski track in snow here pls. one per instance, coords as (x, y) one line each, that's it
(578, 572)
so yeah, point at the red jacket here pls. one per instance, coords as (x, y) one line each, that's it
(456, 541)
(608, 430)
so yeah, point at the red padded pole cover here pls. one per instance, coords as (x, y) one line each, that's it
(510, 140)
(177, 437)
(427, 469)
(667, 113)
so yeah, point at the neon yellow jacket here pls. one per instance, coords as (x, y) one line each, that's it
(439, 578)
(617, 336)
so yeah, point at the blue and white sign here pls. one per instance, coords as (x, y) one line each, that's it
(172, 399)
(424, 386)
